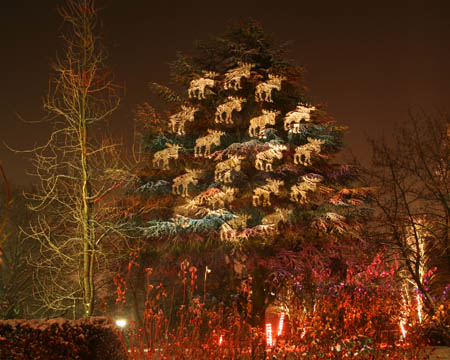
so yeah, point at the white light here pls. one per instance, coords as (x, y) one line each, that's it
(221, 340)
(419, 307)
(269, 339)
(402, 329)
(280, 324)
(121, 323)
(403, 322)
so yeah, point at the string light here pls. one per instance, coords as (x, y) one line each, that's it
(402, 321)
(269, 338)
(280, 325)
(402, 328)
(419, 307)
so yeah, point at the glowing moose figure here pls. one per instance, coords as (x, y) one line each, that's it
(259, 123)
(198, 86)
(182, 182)
(279, 216)
(263, 192)
(295, 119)
(300, 190)
(178, 120)
(264, 90)
(303, 153)
(224, 111)
(163, 156)
(229, 231)
(264, 159)
(213, 138)
(216, 198)
(224, 168)
(234, 76)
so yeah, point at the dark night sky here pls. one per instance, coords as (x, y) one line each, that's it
(367, 61)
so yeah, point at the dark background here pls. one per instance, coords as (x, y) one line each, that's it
(368, 62)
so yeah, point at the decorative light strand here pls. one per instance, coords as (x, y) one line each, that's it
(402, 328)
(269, 339)
(419, 306)
(403, 321)
(280, 325)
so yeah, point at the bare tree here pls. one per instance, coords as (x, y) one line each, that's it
(75, 172)
(413, 202)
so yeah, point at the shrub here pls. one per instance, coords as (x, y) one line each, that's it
(59, 339)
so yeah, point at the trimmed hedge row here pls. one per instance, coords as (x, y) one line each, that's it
(58, 339)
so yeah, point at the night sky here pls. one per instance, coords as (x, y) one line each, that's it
(368, 62)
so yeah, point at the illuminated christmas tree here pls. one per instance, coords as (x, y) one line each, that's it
(241, 170)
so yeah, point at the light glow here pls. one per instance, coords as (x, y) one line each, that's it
(402, 328)
(281, 324)
(220, 339)
(419, 307)
(269, 338)
(402, 320)
(121, 323)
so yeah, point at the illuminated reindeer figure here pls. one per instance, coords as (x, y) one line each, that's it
(264, 90)
(216, 198)
(204, 197)
(234, 76)
(303, 153)
(220, 199)
(269, 223)
(229, 231)
(225, 110)
(300, 190)
(197, 87)
(294, 119)
(183, 181)
(163, 156)
(279, 216)
(213, 138)
(224, 168)
(259, 123)
(178, 119)
(268, 156)
(263, 229)
(264, 191)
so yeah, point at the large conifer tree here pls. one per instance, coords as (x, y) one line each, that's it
(242, 168)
